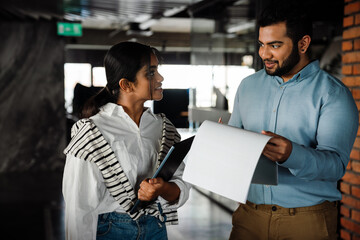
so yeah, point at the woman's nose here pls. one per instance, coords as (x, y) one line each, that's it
(160, 78)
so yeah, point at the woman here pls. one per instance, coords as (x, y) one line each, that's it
(114, 151)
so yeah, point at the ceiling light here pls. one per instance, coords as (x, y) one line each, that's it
(241, 27)
(173, 11)
(147, 24)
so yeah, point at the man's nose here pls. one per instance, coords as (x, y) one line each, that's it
(265, 53)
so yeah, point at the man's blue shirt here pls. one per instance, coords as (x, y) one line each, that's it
(317, 113)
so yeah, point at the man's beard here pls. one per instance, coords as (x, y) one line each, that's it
(288, 64)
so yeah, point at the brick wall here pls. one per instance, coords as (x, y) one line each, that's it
(350, 184)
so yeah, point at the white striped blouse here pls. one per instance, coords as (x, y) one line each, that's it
(85, 193)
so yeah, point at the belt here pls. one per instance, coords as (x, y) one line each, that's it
(281, 210)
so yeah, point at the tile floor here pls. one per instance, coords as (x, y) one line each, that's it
(201, 219)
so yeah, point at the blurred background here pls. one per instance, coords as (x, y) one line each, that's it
(51, 61)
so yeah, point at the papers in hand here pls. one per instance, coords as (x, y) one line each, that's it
(168, 166)
(222, 159)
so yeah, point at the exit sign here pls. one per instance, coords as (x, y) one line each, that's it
(69, 29)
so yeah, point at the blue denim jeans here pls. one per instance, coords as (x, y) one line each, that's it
(121, 226)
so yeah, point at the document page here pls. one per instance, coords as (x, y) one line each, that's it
(222, 159)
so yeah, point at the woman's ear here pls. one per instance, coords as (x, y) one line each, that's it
(304, 43)
(125, 85)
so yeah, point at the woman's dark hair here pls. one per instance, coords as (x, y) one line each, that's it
(123, 60)
(293, 13)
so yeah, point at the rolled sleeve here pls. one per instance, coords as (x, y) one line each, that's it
(184, 190)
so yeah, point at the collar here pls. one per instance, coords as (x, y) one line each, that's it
(308, 70)
(113, 109)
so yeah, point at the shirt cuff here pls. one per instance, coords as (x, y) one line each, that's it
(294, 161)
(184, 195)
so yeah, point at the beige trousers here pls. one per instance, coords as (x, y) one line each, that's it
(272, 222)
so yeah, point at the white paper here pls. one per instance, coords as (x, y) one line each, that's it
(222, 159)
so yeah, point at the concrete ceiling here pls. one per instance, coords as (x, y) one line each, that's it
(159, 15)
(170, 24)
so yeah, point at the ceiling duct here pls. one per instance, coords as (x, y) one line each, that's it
(135, 30)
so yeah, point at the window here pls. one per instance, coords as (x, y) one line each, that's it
(200, 77)
(75, 73)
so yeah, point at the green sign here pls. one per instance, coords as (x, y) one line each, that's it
(69, 29)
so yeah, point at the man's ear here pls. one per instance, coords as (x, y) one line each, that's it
(304, 43)
(125, 85)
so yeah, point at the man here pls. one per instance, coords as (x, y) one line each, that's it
(313, 121)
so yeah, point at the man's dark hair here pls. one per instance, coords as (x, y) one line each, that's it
(296, 17)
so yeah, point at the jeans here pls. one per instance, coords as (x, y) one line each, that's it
(121, 226)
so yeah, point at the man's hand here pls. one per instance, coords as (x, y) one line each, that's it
(278, 149)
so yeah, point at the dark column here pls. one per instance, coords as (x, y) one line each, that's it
(32, 114)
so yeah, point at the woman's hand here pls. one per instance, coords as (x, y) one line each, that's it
(150, 189)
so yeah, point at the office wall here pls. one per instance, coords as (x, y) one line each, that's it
(32, 114)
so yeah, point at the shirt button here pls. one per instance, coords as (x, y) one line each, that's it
(274, 208)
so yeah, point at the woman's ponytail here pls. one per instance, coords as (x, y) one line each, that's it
(93, 104)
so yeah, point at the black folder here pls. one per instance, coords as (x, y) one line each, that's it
(266, 172)
(168, 166)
